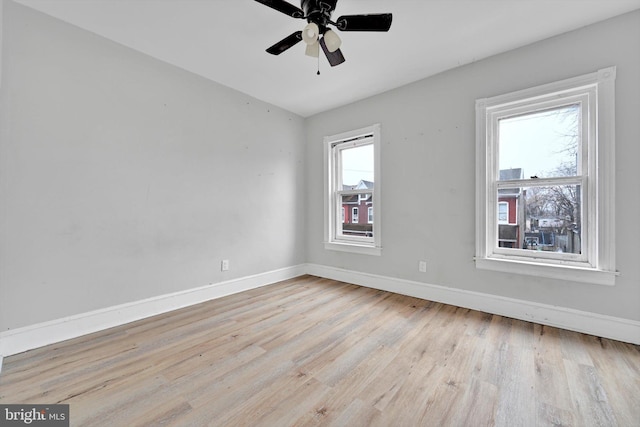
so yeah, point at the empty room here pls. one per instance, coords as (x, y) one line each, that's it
(293, 213)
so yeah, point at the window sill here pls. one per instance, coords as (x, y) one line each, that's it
(562, 272)
(353, 248)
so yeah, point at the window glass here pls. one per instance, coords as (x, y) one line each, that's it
(548, 218)
(353, 225)
(553, 215)
(357, 165)
(503, 212)
(356, 176)
(542, 144)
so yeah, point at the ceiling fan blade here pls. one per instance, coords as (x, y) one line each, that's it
(376, 22)
(334, 58)
(284, 7)
(285, 43)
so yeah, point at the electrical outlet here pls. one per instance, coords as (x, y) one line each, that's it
(224, 265)
(422, 266)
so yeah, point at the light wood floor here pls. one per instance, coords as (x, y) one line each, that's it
(312, 351)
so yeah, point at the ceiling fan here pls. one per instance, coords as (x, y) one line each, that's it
(317, 33)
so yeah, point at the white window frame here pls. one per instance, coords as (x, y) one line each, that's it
(596, 175)
(370, 215)
(334, 239)
(355, 215)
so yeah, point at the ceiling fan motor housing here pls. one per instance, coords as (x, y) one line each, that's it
(319, 12)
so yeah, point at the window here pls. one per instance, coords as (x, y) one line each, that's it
(352, 183)
(545, 180)
(503, 212)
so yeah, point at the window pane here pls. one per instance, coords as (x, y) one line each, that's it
(503, 212)
(544, 144)
(357, 167)
(356, 223)
(546, 218)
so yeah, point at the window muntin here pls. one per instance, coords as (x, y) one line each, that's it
(572, 180)
(352, 165)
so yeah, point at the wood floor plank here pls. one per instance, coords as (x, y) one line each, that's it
(551, 385)
(357, 414)
(313, 352)
(609, 355)
(589, 396)
(410, 351)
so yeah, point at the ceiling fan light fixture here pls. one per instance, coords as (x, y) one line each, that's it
(310, 33)
(313, 50)
(332, 41)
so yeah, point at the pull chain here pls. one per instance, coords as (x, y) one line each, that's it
(318, 65)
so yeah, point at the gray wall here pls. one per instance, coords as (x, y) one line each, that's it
(123, 178)
(428, 169)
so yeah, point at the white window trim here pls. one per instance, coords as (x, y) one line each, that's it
(332, 242)
(600, 193)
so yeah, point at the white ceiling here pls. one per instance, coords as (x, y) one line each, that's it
(225, 40)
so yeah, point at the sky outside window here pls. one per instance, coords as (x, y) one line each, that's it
(543, 144)
(357, 164)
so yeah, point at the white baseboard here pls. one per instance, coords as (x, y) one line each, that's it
(22, 339)
(26, 338)
(561, 317)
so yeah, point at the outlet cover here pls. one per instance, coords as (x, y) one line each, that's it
(224, 265)
(422, 266)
